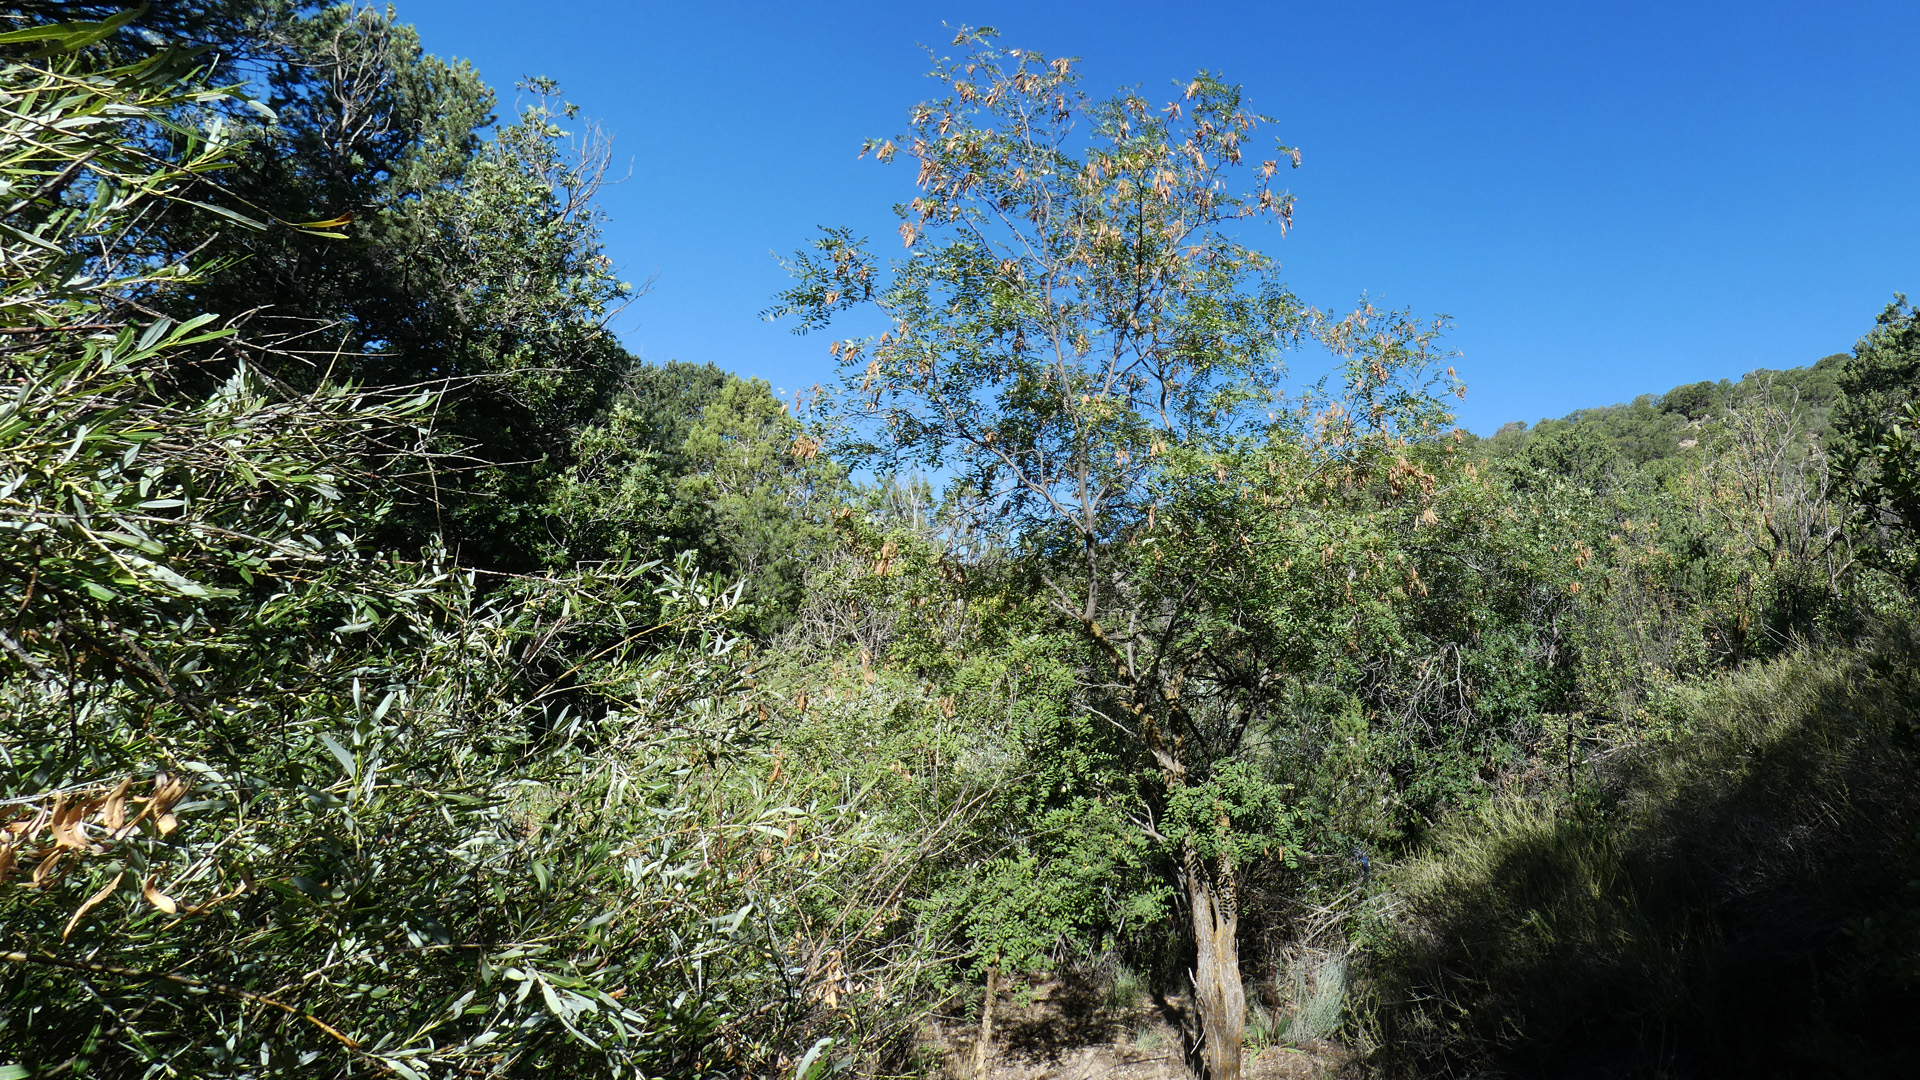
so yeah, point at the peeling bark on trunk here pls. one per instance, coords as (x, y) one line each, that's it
(1219, 998)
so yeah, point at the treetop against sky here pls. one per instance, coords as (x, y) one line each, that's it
(1609, 201)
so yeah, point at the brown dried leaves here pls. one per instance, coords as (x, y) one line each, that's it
(51, 838)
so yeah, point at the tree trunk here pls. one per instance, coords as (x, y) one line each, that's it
(981, 1045)
(1214, 895)
(1218, 996)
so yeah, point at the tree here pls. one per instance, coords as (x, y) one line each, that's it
(1874, 425)
(690, 458)
(768, 490)
(466, 255)
(277, 802)
(1075, 331)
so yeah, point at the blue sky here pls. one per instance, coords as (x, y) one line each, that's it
(1608, 199)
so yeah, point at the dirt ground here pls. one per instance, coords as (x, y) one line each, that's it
(1057, 1031)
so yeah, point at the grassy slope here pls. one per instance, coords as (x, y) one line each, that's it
(1738, 901)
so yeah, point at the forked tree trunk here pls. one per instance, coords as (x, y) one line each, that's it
(1218, 995)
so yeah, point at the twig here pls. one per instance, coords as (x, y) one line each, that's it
(190, 981)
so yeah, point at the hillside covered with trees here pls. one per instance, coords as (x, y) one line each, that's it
(398, 678)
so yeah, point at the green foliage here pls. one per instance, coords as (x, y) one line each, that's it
(1236, 813)
(83, 146)
(1689, 913)
(691, 459)
(452, 255)
(397, 679)
(1874, 425)
(1896, 462)
(1713, 540)
(1074, 319)
(367, 850)
(1650, 438)
(48, 27)
(619, 500)
(1880, 376)
(277, 802)
(1078, 334)
(1066, 299)
(765, 488)
(128, 510)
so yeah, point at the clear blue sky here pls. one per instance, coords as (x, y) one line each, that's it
(1609, 199)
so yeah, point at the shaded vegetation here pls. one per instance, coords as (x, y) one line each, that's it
(1735, 899)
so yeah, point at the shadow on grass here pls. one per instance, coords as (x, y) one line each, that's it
(1739, 902)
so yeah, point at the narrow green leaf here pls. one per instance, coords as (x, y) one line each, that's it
(340, 754)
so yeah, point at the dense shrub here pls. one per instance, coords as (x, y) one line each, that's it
(1734, 899)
